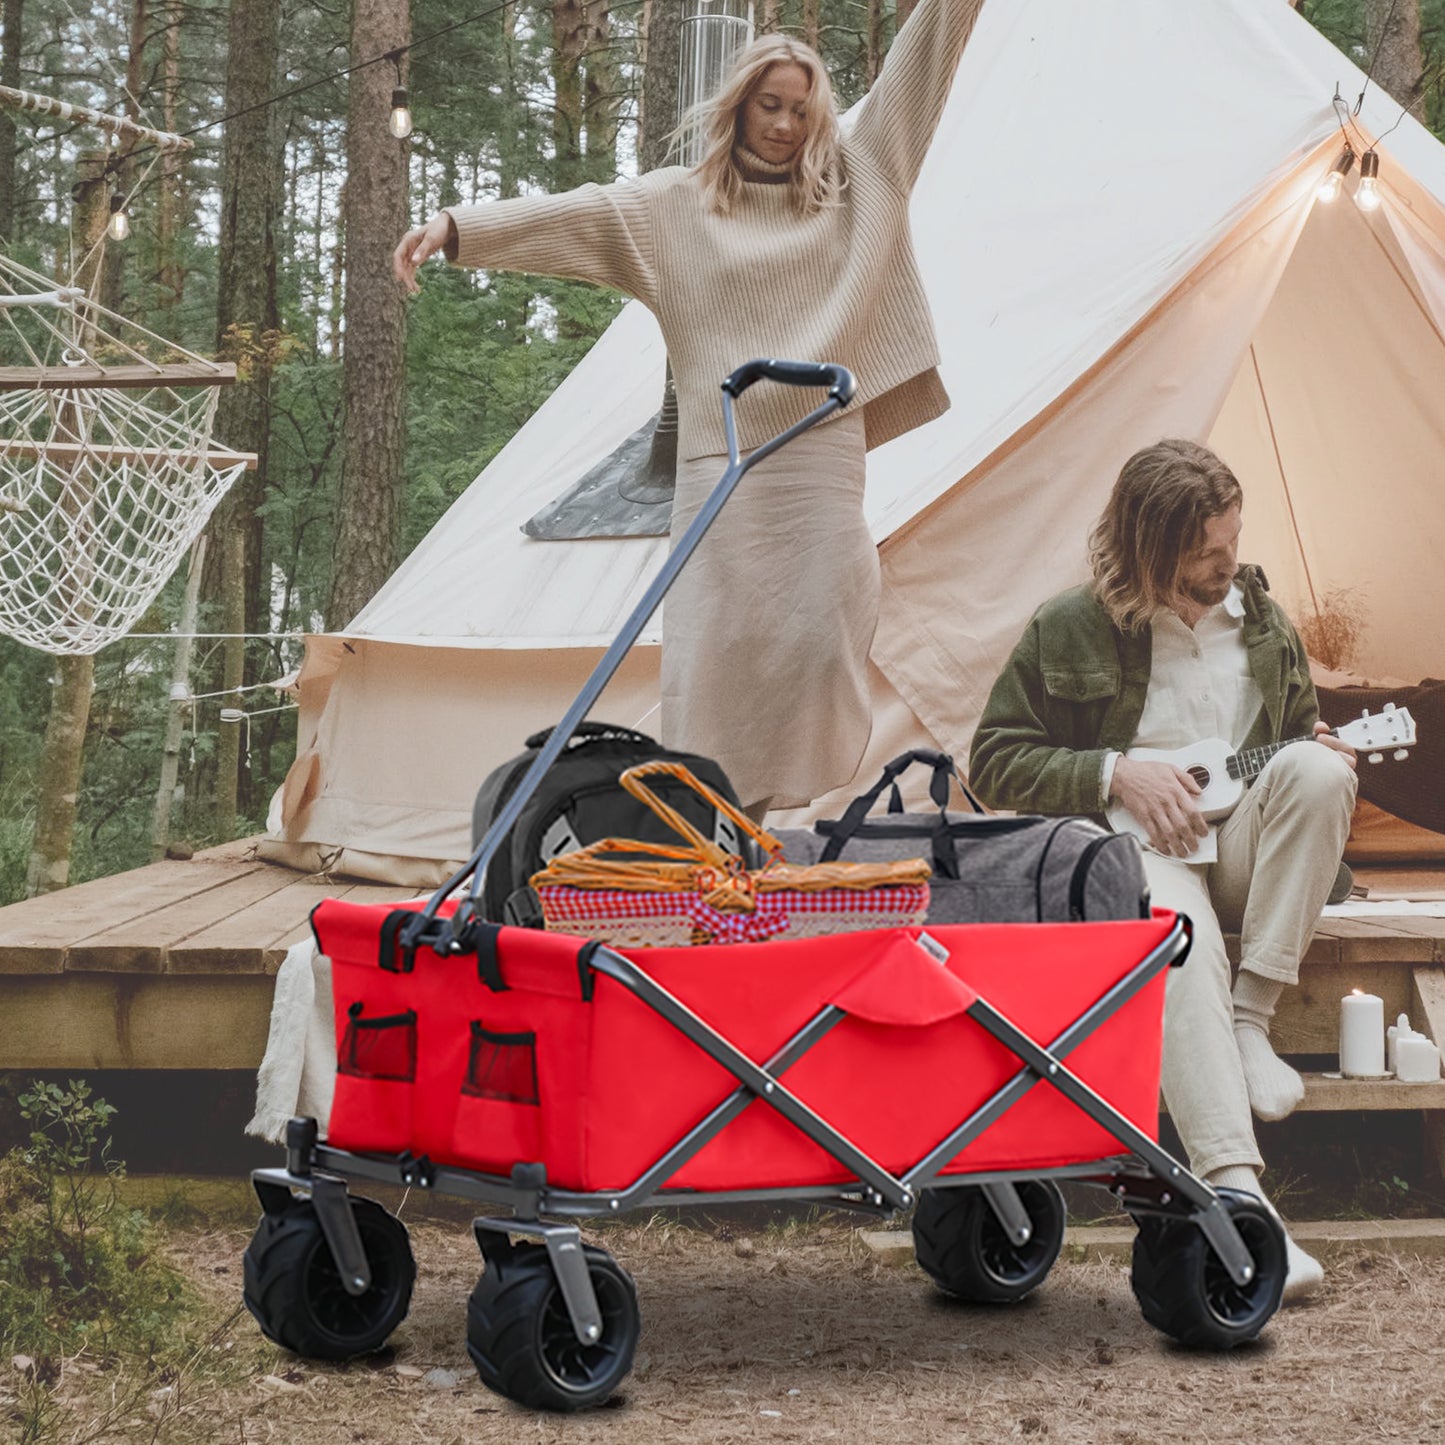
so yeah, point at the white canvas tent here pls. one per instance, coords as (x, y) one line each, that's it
(1118, 228)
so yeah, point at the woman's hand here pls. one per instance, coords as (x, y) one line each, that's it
(420, 244)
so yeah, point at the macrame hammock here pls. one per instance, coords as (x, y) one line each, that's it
(107, 475)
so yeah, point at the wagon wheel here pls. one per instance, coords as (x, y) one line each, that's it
(1184, 1289)
(520, 1336)
(294, 1290)
(961, 1245)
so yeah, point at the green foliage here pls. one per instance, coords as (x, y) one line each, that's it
(78, 1271)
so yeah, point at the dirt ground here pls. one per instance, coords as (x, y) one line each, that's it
(799, 1333)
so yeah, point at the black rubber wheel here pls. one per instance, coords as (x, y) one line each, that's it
(520, 1336)
(1186, 1292)
(961, 1245)
(293, 1288)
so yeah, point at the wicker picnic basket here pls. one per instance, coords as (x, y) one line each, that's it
(649, 895)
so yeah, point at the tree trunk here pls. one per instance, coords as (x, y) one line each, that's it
(659, 84)
(768, 16)
(169, 272)
(11, 14)
(1392, 34)
(873, 41)
(247, 319)
(904, 9)
(123, 177)
(73, 684)
(374, 349)
(812, 28)
(602, 94)
(569, 43)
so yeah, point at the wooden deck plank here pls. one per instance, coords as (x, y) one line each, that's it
(36, 935)
(256, 939)
(1323, 1093)
(1374, 940)
(141, 945)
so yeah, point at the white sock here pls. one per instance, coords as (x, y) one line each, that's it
(1303, 1272)
(1275, 1089)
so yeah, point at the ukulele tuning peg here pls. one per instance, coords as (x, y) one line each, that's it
(1401, 754)
(1376, 757)
(1389, 707)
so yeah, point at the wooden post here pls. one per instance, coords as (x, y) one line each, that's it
(175, 718)
(73, 681)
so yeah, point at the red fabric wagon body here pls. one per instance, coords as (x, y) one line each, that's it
(570, 1068)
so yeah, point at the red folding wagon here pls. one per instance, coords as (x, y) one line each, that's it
(957, 1071)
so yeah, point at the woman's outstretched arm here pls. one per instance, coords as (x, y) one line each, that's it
(601, 234)
(896, 122)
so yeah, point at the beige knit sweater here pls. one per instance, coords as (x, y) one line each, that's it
(760, 279)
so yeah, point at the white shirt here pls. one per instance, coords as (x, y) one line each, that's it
(1200, 686)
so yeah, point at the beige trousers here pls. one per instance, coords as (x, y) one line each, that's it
(1279, 852)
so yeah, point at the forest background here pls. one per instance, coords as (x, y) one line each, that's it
(269, 245)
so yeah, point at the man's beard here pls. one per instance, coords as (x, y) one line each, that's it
(1207, 594)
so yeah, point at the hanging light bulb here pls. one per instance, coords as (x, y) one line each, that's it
(1334, 183)
(400, 123)
(119, 227)
(1367, 193)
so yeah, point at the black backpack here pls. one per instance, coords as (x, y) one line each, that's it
(579, 802)
(1028, 869)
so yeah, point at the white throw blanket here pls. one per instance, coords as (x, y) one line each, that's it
(298, 1072)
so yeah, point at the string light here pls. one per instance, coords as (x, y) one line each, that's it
(119, 227)
(1333, 183)
(1367, 193)
(400, 123)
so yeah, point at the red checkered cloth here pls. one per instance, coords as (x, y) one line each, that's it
(575, 910)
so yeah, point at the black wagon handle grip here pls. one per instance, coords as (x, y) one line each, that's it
(838, 379)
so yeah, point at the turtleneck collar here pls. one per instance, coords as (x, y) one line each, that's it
(755, 168)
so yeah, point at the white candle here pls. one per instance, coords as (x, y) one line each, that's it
(1362, 1035)
(1417, 1060)
(1400, 1026)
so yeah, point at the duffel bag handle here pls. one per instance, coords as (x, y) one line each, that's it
(944, 772)
(587, 731)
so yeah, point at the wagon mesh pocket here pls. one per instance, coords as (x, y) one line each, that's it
(502, 1066)
(379, 1048)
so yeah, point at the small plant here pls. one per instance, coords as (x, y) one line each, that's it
(78, 1270)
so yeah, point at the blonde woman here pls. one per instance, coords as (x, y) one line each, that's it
(788, 239)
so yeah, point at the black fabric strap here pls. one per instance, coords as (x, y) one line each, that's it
(390, 956)
(481, 938)
(944, 773)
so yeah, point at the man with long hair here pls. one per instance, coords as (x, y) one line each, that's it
(1171, 643)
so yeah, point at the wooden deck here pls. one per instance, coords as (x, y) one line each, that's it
(171, 967)
(165, 967)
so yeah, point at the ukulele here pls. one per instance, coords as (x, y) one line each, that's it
(1223, 774)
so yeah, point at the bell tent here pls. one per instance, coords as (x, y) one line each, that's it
(1120, 229)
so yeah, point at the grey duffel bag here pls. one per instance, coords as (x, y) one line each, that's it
(986, 869)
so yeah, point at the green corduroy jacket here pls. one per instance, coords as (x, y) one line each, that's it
(1074, 689)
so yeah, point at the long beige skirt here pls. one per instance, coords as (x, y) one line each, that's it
(767, 629)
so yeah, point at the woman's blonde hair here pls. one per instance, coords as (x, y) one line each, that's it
(1154, 518)
(815, 181)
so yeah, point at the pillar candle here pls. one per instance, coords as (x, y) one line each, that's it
(1362, 1035)
(1417, 1060)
